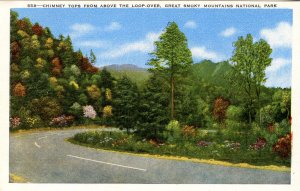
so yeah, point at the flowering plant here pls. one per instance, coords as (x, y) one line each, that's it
(203, 143)
(62, 120)
(15, 122)
(283, 146)
(259, 144)
(89, 112)
(232, 145)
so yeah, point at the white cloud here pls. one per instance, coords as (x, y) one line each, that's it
(201, 52)
(278, 63)
(79, 29)
(113, 26)
(146, 45)
(282, 80)
(278, 37)
(279, 73)
(190, 24)
(92, 43)
(228, 32)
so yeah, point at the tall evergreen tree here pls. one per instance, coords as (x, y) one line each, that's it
(125, 104)
(153, 115)
(172, 58)
(92, 57)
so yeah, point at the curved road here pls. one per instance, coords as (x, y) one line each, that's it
(45, 157)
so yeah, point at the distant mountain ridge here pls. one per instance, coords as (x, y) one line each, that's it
(120, 67)
(213, 73)
(135, 73)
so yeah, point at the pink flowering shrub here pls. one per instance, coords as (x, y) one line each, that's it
(15, 122)
(62, 121)
(259, 144)
(203, 143)
(89, 112)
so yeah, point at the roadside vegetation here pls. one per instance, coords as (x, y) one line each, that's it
(203, 110)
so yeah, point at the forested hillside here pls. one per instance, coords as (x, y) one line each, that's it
(51, 83)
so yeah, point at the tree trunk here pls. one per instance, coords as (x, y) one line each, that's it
(259, 107)
(172, 98)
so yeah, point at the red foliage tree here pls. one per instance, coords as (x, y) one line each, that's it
(37, 29)
(57, 66)
(219, 109)
(86, 65)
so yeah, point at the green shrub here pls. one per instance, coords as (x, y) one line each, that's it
(267, 116)
(234, 113)
(76, 109)
(45, 107)
(172, 131)
(33, 122)
(235, 125)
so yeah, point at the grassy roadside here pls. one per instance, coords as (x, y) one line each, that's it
(13, 178)
(44, 129)
(179, 158)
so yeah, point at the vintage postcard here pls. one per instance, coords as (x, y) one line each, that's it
(135, 95)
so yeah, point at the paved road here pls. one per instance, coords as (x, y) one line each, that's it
(45, 157)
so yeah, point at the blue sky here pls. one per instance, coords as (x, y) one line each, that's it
(126, 36)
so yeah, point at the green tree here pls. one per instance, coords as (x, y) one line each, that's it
(172, 58)
(92, 57)
(250, 60)
(107, 84)
(152, 110)
(125, 104)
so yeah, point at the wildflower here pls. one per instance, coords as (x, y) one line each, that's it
(62, 120)
(15, 122)
(259, 144)
(89, 112)
(203, 143)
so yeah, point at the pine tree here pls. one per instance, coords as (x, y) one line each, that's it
(172, 58)
(125, 104)
(153, 115)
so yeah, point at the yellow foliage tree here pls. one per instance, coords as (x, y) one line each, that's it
(108, 95)
(74, 85)
(49, 43)
(107, 111)
(94, 92)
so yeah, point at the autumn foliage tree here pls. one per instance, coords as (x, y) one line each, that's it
(19, 90)
(15, 50)
(94, 92)
(57, 66)
(37, 29)
(86, 66)
(219, 109)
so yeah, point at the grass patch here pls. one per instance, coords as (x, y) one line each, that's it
(214, 153)
(28, 131)
(13, 178)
